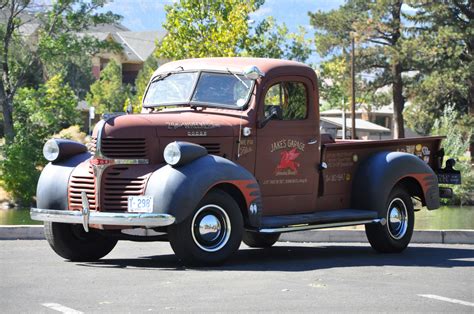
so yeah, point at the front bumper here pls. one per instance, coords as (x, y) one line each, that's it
(102, 218)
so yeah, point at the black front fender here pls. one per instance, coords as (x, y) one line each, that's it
(51, 192)
(178, 190)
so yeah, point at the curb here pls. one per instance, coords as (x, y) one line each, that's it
(22, 232)
(419, 236)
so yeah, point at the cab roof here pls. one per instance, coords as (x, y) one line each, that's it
(271, 67)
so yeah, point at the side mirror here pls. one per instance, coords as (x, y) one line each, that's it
(275, 112)
(253, 73)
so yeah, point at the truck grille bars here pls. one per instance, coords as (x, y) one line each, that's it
(116, 187)
(121, 148)
(104, 185)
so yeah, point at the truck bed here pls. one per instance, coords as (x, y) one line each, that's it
(343, 158)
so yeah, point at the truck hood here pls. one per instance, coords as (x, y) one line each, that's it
(181, 123)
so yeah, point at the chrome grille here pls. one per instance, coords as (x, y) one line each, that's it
(124, 148)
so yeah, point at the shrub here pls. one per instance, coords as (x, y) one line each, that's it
(39, 113)
(458, 131)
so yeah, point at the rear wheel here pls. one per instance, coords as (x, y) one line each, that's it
(211, 234)
(395, 235)
(260, 240)
(73, 243)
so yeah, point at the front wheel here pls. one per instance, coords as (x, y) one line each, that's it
(73, 243)
(395, 235)
(211, 234)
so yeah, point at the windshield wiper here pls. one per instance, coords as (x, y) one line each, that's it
(237, 77)
(162, 76)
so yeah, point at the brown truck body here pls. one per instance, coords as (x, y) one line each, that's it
(280, 171)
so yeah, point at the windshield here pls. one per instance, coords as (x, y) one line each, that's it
(211, 89)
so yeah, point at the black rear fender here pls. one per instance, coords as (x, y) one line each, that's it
(381, 172)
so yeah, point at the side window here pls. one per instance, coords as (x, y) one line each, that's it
(291, 97)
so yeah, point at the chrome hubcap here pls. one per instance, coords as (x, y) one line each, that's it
(211, 228)
(397, 218)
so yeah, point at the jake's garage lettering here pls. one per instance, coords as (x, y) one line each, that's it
(286, 143)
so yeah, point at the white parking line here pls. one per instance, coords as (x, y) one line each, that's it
(437, 297)
(61, 308)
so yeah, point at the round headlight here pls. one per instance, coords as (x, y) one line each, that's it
(51, 150)
(172, 153)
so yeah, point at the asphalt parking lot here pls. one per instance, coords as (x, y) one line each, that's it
(291, 277)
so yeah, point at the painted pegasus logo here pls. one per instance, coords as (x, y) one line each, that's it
(287, 161)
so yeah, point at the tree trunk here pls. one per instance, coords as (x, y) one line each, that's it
(396, 69)
(7, 105)
(470, 104)
(398, 101)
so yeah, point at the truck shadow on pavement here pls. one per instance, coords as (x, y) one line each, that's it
(291, 258)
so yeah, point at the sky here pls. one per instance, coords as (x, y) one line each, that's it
(142, 15)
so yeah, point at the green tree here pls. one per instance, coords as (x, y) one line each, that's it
(197, 28)
(108, 94)
(141, 82)
(334, 83)
(377, 27)
(39, 114)
(270, 40)
(59, 46)
(443, 51)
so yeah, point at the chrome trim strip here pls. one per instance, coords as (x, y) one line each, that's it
(85, 211)
(294, 228)
(98, 146)
(103, 218)
(98, 170)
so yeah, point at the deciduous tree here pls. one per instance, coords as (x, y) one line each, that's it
(108, 94)
(58, 42)
(197, 28)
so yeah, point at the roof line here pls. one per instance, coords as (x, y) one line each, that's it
(131, 48)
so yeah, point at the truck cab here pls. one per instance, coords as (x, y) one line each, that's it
(225, 150)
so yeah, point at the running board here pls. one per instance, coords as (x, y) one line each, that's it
(303, 227)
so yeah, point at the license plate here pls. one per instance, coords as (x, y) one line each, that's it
(140, 204)
(449, 178)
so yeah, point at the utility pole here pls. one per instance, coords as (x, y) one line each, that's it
(343, 119)
(353, 101)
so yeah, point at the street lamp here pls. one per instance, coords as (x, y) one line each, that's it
(352, 34)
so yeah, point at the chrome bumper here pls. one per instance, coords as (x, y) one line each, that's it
(102, 218)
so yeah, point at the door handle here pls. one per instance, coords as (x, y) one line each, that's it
(312, 141)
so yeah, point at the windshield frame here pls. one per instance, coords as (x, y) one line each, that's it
(189, 101)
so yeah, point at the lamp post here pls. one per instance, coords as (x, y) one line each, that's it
(353, 86)
(343, 119)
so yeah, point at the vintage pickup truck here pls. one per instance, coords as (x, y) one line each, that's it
(225, 150)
